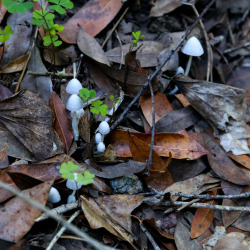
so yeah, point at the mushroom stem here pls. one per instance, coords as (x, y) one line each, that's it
(188, 65)
(75, 121)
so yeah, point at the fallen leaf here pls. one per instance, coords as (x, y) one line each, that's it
(29, 119)
(244, 160)
(181, 146)
(229, 218)
(161, 7)
(16, 65)
(162, 106)
(93, 17)
(62, 124)
(147, 54)
(177, 120)
(90, 47)
(230, 172)
(17, 216)
(4, 93)
(41, 85)
(4, 161)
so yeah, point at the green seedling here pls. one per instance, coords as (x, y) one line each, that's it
(67, 172)
(86, 94)
(112, 98)
(5, 35)
(137, 35)
(60, 5)
(98, 107)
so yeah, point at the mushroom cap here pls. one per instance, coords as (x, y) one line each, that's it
(98, 137)
(179, 70)
(74, 103)
(73, 86)
(54, 195)
(192, 47)
(100, 147)
(104, 128)
(73, 185)
(79, 113)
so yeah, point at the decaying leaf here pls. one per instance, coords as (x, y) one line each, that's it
(28, 117)
(181, 146)
(17, 216)
(16, 65)
(222, 106)
(62, 124)
(93, 17)
(162, 7)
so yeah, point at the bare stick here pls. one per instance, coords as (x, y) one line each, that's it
(151, 239)
(212, 197)
(196, 205)
(56, 217)
(66, 75)
(153, 128)
(245, 45)
(60, 232)
(110, 33)
(124, 113)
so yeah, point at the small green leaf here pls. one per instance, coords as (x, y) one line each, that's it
(59, 28)
(86, 178)
(37, 22)
(96, 103)
(92, 93)
(84, 94)
(49, 16)
(54, 1)
(57, 43)
(94, 111)
(67, 4)
(67, 168)
(8, 30)
(58, 9)
(103, 109)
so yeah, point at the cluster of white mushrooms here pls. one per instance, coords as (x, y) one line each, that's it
(102, 130)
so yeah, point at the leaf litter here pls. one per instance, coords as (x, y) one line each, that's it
(201, 127)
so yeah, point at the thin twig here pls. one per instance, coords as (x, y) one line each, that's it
(151, 239)
(153, 128)
(60, 210)
(245, 45)
(61, 231)
(209, 50)
(153, 201)
(66, 75)
(122, 116)
(212, 197)
(56, 217)
(117, 23)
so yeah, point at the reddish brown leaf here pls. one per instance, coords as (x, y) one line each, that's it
(140, 152)
(4, 160)
(93, 17)
(17, 216)
(244, 160)
(162, 106)
(181, 146)
(202, 220)
(62, 124)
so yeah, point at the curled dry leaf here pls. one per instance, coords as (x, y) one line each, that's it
(16, 65)
(93, 17)
(161, 7)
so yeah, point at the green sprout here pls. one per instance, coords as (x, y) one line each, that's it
(5, 35)
(67, 172)
(137, 35)
(86, 94)
(112, 98)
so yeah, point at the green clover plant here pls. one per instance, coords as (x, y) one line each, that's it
(137, 35)
(5, 35)
(98, 107)
(67, 172)
(42, 18)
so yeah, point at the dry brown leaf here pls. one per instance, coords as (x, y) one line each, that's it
(181, 146)
(93, 17)
(27, 116)
(17, 216)
(162, 106)
(4, 161)
(100, 216)
(244, 160)
(161, 7)
(229, 218)
(62, 124)
(16, 65)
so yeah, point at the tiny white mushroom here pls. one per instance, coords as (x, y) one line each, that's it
(192, 48)
(73, 185)
(98, 138)
(73, 86)
(100, 147)
(179, 70)
(104, 128)
(75, 105)
(54, 195)
(71, 199)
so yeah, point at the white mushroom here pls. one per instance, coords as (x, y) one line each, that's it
(98, 138)
(179, 70)
(73, 86)
(100, 147)
(104, 128)
(54, 195)
(192, 48)
(73, 185)
(75, 105)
